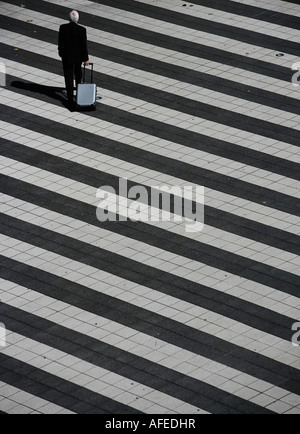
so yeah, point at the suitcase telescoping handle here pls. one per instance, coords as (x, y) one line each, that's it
(92, 73)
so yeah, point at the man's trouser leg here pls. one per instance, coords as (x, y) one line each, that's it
(69, 79)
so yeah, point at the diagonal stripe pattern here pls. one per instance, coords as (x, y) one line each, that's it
(144, 317)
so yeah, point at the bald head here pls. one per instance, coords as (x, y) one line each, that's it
(74, 17)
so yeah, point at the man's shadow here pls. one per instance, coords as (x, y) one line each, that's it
(50, 92)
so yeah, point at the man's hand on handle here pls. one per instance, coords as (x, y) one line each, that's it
(87, 63)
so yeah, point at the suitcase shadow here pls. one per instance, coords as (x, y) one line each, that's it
(55, 93)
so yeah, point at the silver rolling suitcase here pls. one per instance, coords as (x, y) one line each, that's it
(87, 92)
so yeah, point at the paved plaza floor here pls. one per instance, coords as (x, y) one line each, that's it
(160, 315)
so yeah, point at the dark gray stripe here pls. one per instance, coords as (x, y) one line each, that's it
(54, 389)
(165, 41)
(208, 81)
(200, 295)
(190, 107)
(169, 16)
(208, 26)
(129, 269)
(232, 307)
(296, 2)
(114, 148)
(212, 256)
(181, 136)
(253, 12)
(214, 217)
(146, 322)
(201, 176)
(235, 308)
(219, 219)
(227, 400)
(120, 362)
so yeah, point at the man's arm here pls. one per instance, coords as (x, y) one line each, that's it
(85, 53)
(60, 42)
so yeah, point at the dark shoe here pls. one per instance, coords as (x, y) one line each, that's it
(71, 105)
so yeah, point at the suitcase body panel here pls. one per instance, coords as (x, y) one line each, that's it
(87, 92)
(86, 95)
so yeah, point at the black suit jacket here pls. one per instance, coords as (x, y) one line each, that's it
(72, 43)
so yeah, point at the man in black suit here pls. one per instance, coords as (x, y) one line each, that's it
(72, 48)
